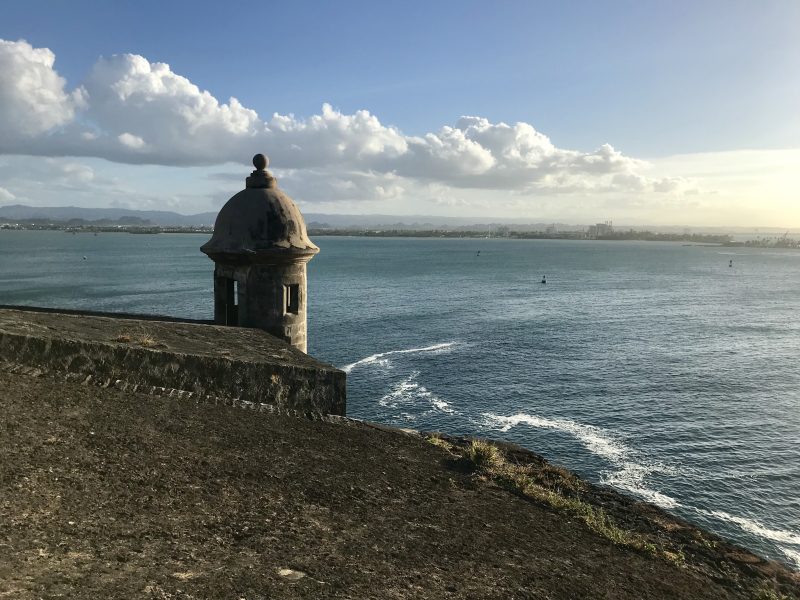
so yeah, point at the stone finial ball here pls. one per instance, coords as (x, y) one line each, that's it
(260, 162)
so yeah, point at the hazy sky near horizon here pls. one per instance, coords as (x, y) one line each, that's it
(644, 112)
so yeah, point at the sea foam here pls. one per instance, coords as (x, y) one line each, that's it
(630, 475)
(380, 358)
(629, 472)
(788, 542)
(753, 526)
(410, 392)
(792, 555)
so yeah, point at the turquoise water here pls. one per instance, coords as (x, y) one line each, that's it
(654, 368)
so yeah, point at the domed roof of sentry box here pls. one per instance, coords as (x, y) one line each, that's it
(259, 221)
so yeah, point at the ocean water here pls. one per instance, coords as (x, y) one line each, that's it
(657, 369)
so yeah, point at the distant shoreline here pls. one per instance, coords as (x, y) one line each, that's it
(647, 236)
(688, 239)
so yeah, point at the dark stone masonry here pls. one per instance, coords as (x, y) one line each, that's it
(260, 249)
(192, 357)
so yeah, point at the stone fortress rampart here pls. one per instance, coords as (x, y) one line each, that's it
(192, 357)
(253, 351)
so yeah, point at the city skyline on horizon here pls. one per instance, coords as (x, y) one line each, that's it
(665, 116)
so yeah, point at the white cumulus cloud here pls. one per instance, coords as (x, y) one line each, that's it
(33, 100)
(131, 110)
(136, 101)
(332, 138)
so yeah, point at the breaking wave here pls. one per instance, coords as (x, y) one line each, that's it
(381, 359)
(630, 474)
(779, 536)
(792, 555)
(410, 392)
(776, 535)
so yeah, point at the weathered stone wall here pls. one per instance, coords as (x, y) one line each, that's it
(261, 298)
(265, 301)
(229, 362)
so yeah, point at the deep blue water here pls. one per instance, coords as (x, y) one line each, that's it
(655, 368)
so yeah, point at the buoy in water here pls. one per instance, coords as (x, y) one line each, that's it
(544, 278)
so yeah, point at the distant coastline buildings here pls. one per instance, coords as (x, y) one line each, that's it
(600, 229)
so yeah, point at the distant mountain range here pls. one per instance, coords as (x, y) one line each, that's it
(126, 216)
(20, 212)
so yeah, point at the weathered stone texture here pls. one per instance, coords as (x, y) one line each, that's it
(229, 362)
(260, 248)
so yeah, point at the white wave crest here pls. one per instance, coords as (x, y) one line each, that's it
(381, 359)
(595, 440)
(779, 536)
(401, 393)
(753, 526)
(631, 477)
(409, 392)
(628, 474)
(792, 555)
(441, 405)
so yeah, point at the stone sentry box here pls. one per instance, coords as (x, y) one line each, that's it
(260, 249)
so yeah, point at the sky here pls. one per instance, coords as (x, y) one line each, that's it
(640, 112)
